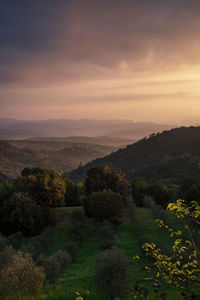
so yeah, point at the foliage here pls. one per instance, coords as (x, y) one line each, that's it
(20, 275)
(39, 244)
(62, 156)
(71, 194)
(112, 272)
(148, 202)
(107, 205)
(55, 264)
(164, 157)
(72, 248)
(21, 213)
(139, 191)
(159, 213)
(181, 268)
(106, 236)
(106, 178)
(46, 187)
(158, 191)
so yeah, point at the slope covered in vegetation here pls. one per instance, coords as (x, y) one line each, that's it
(61, 156)
(167, 156)
(80, 275)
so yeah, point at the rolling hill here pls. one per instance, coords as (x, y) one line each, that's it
(168, 156)
(63, 156)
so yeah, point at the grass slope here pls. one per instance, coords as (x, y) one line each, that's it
(80, 275)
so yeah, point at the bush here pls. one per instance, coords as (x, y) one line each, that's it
(64, 259)
(21, 213)
(72, 248)
(105, 177)
(55, 264)
(39, 244)
(72, 193)
(106, 244)
(105, 231)
(75, 233)
(52, 268)
(148, 202)
(112, 273)
(139, 190)
(106, 205)
(20, 275)
(5, 255)
(131, 212)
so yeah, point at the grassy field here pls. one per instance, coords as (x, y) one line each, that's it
(80, 275)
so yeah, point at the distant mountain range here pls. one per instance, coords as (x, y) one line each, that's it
(169, 156)
(19, 129)
(61, 154)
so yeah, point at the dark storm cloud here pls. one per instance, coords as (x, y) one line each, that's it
(48, 40)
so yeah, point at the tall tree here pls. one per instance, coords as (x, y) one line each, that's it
(20, 275)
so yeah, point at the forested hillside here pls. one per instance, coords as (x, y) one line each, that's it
(63, 156)
(168, 156)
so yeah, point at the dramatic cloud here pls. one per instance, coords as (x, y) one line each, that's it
(78, 52)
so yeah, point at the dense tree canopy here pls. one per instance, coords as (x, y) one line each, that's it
(112, 273)
(20, 213)
(167, 157)
(46, 187)
(158, 191)
(72, 193)
(106, 178)
(105, 187)
(107, 205)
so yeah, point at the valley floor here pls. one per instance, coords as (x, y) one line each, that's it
(129, 239)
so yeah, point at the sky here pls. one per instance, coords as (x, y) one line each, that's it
(100, 59)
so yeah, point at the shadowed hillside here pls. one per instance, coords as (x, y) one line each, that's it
(62, 157)
(167, 156)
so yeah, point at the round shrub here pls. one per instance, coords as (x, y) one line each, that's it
(112, 273)
(148, 202)
(72, 248)
(105, 231)
(106, 244)
(52, 268)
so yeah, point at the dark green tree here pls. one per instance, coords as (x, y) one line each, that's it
(139, 191)
(46, 187)
(106, 205)
(103, 178)
(160, 193)
(112, 273)
(21, 213)
(72, 193)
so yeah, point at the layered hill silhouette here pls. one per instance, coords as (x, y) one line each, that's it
(62, 156)
(21, 129)
(168, 156)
